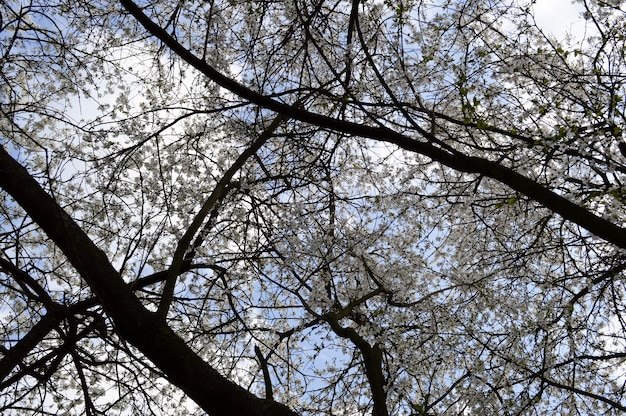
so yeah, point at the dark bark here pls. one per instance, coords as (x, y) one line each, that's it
(213, 392)
(13, 357)
(453, 159)
(372, 363)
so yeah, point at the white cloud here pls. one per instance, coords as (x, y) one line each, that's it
(560, 18)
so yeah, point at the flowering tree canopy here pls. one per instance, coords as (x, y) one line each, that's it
(290, 207)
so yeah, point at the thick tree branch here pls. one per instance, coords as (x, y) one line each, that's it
(12, 357)
(269, 393)
(372, 361)
(213, 392)
(453, 159)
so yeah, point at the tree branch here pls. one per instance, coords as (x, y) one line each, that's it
(269, 394)
(453, 159)
(158, 342)
(219, 192)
